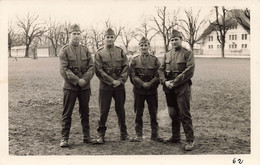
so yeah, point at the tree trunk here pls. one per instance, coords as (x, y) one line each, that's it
(35, 57)
(223, 50)
(126, 48)
(165, 45)
(191, 47)
(55, 51)
(27, 51)
(9, 52)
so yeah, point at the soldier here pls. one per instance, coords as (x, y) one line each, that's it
(111, 67)
(144, 76)
(175, 73)
(76, 67)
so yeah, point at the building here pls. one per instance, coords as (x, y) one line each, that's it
(41, 51)
(237, 41)
(19, 51)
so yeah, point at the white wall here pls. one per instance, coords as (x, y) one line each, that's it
(216, 50)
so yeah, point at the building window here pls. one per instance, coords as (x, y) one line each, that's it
(244, 46)
(210, 38)
(210, 46)
(229, 37)
(244, 36)
(233, 27)
(229, 46)
(235, 37)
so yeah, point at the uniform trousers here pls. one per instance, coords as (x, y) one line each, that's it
(105, 98)
(179, 112)
(69, 101)
(152, 101)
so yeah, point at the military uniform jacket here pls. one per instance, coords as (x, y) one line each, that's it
(178, 66)
(144, 69)
(76, 63)
(111, 64)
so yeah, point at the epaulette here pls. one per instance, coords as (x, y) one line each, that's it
(84, 46)
(136, 55)
(100, 48)
(151, 55)
(64, 46)
(168, 51)
(119, 48)
(186, 50)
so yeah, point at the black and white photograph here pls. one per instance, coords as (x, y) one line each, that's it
(129, 82)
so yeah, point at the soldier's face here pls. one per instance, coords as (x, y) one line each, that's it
(176, 42)
(110, 39)
(75, 36)
(144, 47)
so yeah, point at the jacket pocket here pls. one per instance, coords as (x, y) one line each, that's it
(181, 65)
(71, 61)
(85, 60)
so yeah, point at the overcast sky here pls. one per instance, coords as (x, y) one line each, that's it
(92, 12)
(95, 13)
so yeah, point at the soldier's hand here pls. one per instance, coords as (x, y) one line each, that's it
(116, 83)
(146, 85)
(82, 82)
(169, 84)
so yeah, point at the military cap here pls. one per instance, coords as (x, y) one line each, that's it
(144, 40)
(109, 31)
(74, 27)
(176, 33)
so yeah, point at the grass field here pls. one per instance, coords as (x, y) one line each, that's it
(220, 108)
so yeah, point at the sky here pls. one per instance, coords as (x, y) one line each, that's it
(95, 13)
(90, 12)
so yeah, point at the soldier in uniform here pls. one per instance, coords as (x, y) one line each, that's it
(77, 69)
(111, 67)
(144, 76)
(175, 73)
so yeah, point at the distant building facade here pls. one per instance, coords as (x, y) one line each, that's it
(237, 42)
(43, 50)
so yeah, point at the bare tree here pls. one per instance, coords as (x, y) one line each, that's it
(31, 30)
(243, 18)
(117, 30)
(165, 24)
(97, 38)
(221, 26)
(191, 27)
(145, 30)
(127, 35)
(85, 35)
(11, 38)
(54, 35)
(64, 36)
